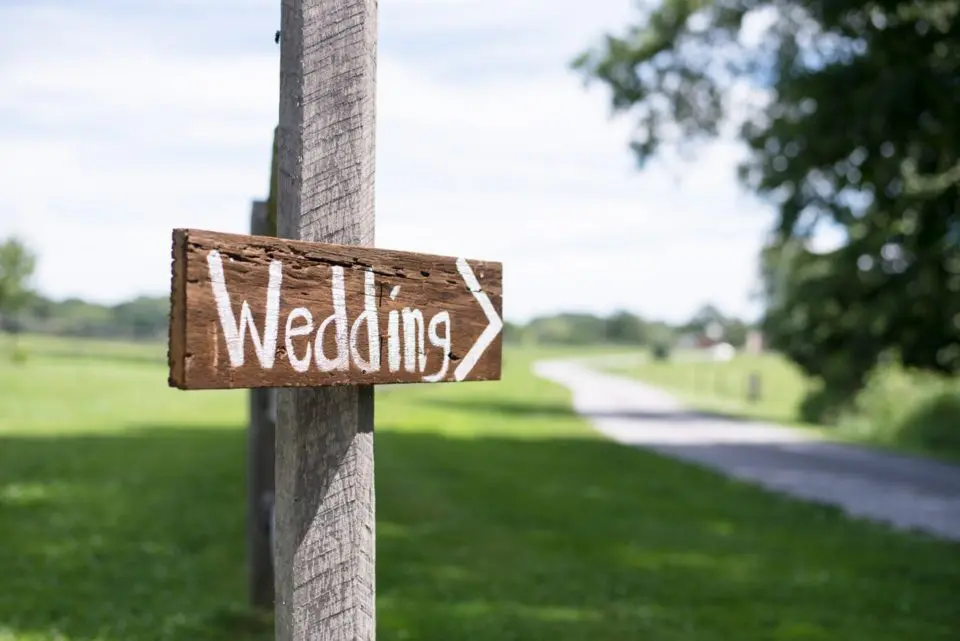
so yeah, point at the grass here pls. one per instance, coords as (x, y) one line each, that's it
(898, 410)
(501, 515)
(722, 386)
(76, 349)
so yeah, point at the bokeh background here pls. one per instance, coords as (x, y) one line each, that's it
(751, 207)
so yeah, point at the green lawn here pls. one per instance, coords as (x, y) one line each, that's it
(501, 516)
(898, 410)
(722, 386)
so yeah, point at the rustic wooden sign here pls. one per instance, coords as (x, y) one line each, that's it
(258, 311)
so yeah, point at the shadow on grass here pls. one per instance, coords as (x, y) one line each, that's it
(140, 536)
(132, 536)
(589, 540)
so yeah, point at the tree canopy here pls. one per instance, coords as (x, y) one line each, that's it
(853, 124)
(17, 263)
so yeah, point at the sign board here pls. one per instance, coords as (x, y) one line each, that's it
(258, 311)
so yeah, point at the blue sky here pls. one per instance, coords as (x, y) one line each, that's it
(122, 120)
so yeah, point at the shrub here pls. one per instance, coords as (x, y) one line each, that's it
(917, 409)
(935, 424)
(661, 352)
(823, 406)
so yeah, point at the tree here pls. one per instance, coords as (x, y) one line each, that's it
(625, 328)
(660, 333)
(512, 332)
(142, 317)
(705, 317)
(856, 129)
(17, 263)
(567, 329)
(735, 332)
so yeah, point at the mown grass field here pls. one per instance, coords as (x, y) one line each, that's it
(722, 386)
(500, 516)
(897, 410)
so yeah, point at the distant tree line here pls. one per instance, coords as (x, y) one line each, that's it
(143, 318)
(625, 328)
(22, 309)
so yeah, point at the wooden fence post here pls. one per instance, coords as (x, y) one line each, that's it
(260, 470)
(325, 540)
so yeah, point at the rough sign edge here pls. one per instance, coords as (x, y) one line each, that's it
(176, 358)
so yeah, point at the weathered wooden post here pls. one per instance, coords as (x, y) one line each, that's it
(325, 514)
(331, 317)
(325, 548)
(260, 468)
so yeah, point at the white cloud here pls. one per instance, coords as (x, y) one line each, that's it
(117, 129)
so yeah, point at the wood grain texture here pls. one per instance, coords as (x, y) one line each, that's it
(420, 310)
(260, 470)
(325, 539)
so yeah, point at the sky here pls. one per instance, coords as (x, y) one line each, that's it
(120, 121)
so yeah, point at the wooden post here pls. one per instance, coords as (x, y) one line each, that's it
(260, 470)
(243, 312)
(325, 538)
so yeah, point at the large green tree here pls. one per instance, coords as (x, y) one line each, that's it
(857, 128)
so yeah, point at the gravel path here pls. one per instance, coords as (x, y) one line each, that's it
(907, 492)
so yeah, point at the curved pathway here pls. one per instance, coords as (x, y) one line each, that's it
(906, 492)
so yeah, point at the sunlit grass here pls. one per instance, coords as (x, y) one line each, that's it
(900, 410)
(501, 515)
(723, 385)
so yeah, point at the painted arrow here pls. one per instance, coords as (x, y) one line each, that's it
(494, 322)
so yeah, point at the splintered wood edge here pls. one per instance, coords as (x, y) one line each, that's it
(223, 240)
(176, 357)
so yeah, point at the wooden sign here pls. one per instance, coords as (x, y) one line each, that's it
(257, 311)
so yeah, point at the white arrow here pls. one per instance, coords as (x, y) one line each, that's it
(494, 323)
